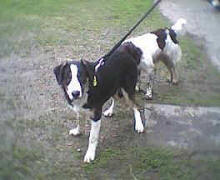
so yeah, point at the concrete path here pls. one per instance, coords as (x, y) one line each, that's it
(193, 128)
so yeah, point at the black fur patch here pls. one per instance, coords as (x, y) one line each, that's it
(131, 49)
(173, 36)
(119, 71)
(162, 36)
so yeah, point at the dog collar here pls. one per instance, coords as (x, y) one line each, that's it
(94, 81)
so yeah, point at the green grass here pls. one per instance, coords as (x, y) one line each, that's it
(36, 148)
(40, 154)
(17, 166)
(147, 163)
(27, 23)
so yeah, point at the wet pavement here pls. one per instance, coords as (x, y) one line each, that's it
(203, 22)
(193, 128)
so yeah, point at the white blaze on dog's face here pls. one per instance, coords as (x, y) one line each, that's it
(71, 76)
(74, 89)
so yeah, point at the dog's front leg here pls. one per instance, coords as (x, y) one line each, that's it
(147, 66)
(138, 84)
(149, 90)
(76, 131)
(93, 141)
(109, 111)
(139, 127)
(93, 137)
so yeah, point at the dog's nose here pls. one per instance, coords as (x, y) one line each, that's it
(75, 94)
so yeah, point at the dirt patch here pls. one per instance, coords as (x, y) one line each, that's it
(35, 121)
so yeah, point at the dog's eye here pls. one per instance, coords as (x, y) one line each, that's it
(69, 77)
(81, 76)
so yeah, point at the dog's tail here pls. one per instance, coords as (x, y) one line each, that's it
(178, 27)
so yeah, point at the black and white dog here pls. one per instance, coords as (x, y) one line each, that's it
(119, 72)
(160, 45)
(103, 79)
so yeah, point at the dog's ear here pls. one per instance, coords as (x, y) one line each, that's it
(173, 36)
(89, 68)
(58, 71)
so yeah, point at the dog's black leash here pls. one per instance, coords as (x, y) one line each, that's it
(104, 58)
(132, 29)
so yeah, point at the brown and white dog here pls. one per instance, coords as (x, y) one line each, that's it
(160, 45)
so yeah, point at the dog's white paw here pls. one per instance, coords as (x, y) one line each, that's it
(149, 93)
(175, 81)
(137, 88)
(90, 156)
(108, 113)
(75, 131)
(139, 127)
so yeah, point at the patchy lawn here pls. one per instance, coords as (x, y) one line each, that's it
(36, 35)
